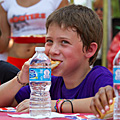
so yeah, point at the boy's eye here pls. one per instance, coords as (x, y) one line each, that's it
(49, 41)
(65, 42)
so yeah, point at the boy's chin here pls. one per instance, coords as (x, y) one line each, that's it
(56, 72)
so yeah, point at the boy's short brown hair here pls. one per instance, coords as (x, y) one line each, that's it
(86, 22)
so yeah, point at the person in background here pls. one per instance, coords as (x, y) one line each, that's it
(74, 36)
(24, 18)
(4, 55)
(114, 48)
(102, 100)
(8, 71)
(98, 8)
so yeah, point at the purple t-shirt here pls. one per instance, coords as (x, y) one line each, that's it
(98, 77)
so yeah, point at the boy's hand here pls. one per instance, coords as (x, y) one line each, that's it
(102, 100)
(23, 106)
(24, 73)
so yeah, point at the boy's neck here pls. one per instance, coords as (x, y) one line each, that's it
(75, 79)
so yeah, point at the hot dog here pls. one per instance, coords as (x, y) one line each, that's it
(54, 64)
(109, 113)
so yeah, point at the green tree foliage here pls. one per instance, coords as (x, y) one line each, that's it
(115, 8)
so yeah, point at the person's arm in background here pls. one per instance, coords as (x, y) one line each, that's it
(9, 89)
(5, 30)
(63, 3)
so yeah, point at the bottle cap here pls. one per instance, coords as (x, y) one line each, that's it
(39, 48)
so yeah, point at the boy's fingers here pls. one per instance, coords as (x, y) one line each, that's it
(26, 64)
(94, 110)
(25, 110)
(23, 106)
(110, 94)
(96, 105)
(103, 99)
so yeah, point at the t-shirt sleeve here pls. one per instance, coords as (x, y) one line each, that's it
(55, 3)
(104, 78)
(23, 93)
(6, 4)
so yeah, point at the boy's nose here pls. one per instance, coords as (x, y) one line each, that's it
(54, 49)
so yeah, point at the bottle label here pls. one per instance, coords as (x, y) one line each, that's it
(116, 74)
(39, 74)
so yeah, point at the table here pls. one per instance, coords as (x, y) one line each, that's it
(4, 116)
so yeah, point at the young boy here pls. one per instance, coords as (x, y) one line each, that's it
(74, 36)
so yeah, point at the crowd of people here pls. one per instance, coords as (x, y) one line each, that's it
(74, 35)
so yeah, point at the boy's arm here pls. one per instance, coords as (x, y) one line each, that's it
(9, 89)
(79, 106)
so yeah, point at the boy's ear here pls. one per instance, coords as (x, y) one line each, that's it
(91, 50)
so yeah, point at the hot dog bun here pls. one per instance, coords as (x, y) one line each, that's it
(54, 64)
(109, 113)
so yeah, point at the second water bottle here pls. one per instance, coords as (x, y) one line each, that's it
(116, 79)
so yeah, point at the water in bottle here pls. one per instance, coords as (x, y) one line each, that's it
(116, 79)
(40, 82)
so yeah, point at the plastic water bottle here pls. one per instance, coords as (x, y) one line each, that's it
(116, 79)
(40, 82)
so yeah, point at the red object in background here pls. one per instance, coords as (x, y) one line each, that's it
(18, 62)
(30, 39)
(114, 48)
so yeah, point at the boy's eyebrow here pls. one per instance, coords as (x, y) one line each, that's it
(58, 37)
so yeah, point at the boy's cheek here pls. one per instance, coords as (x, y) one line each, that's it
(47, 50)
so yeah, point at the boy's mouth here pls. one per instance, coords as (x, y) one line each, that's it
(54, 64)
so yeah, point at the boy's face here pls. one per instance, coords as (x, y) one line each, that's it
(64, 45)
